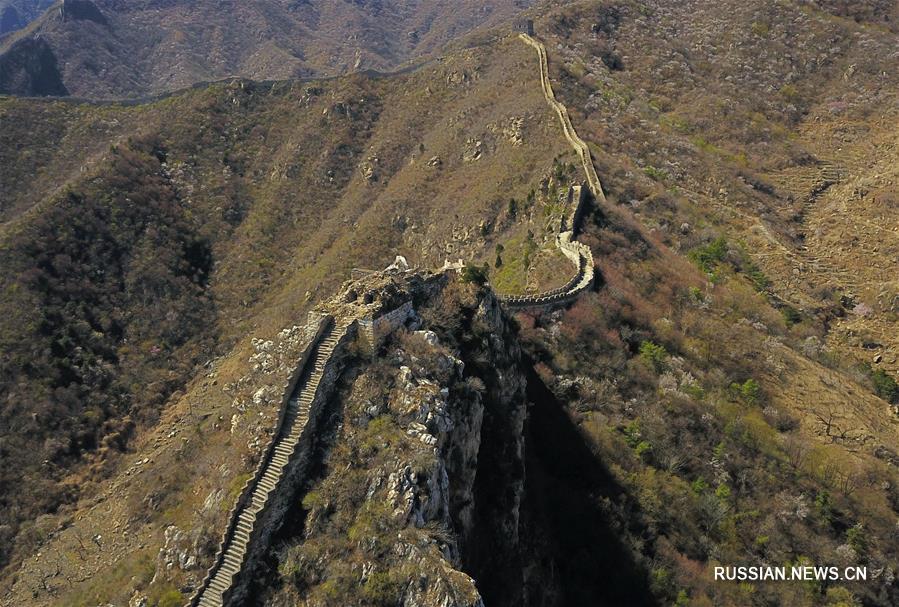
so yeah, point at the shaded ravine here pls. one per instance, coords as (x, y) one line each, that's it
(566, 486)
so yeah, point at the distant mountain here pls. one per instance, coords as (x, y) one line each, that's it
(16, 14)
(112, 48)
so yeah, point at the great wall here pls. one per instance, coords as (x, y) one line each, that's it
(250, 519)
(365, 318)
(580, 255)
(266, 497)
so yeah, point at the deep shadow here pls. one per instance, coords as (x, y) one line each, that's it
(489, 554)
(29, 67)
(565, 482)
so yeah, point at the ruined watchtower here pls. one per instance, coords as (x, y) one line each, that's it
(525, 26)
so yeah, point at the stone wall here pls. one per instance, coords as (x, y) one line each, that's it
(375, 329)
(295, 474)
(245, 547)
(580, 255)
(580, 147)
(373, 309)
(580, 198)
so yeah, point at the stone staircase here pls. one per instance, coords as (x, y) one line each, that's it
(231, 560)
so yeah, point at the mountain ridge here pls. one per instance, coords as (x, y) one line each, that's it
(724, 392)
(119, 50)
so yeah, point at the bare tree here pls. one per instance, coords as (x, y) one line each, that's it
(796, 451)
(835, 427)
(847, 481)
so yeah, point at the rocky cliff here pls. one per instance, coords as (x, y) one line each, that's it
(409, 481)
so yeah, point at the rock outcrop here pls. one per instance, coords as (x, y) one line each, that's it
(403, 501)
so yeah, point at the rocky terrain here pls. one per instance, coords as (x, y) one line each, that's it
(797, 129)
(354, 154)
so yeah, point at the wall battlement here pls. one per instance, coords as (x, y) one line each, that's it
(524, 26)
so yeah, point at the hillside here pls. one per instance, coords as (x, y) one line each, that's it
(112, 49)
(723, 393)
(180, 195)
(16, 14)
(799, 148)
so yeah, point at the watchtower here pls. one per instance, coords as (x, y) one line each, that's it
(525, 26)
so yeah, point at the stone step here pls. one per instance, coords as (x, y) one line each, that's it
(294, 422)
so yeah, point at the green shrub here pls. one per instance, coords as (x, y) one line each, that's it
(791, 315)
(382, 590)
(632, 434)
(171, 598)
(756, 276)
(709, 256)
(699, 485)
(749, 391)
(857, 538)
(475, 274)
(790, 93)
(643, 449)
(722, 493)
(885, 386)
(656, 174)
(760, 29)
(824, 506)
(839, 596)
(653, 354)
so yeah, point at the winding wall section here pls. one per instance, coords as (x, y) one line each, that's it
(309, 386)
(571, 135)
(579, 254)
